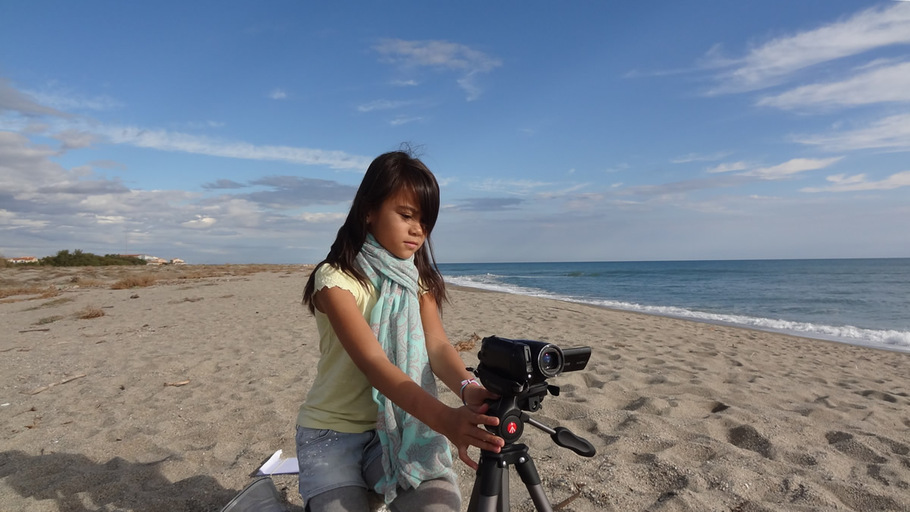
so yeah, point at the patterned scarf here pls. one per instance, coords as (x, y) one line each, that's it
(411, 452)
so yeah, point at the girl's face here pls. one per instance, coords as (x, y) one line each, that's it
(396, 225)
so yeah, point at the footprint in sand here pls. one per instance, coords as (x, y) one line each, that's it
(879, 395)
(746, 437)
(651, 360)
(846, 444)
(719, 407)
(896, 447)
(636, 404)
(593, 382)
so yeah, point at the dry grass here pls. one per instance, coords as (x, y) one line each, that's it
(468, 344)
(88, 282)
(52, 303)
(140, 281)
(49, 320)
(42, 292)
(90, 312)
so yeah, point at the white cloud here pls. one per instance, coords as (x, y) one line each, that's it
(441, 55)
(698, 157)
(402, 120)
(110, 219)
(14, 100)
(892, 133)
(66, 100)
(728, 167)
(884, 84)
(24, 166)
(200, 222)
(46, 207)
(78, 133)
(333, 219)
(791, 167)
(572, 192)
(436, 54)
(382, 105)
(775, 61)
(519, 187)
(858, 183)
(75, 139)
(182, 142)
(278, 94)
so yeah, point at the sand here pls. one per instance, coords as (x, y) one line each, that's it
(167, 397)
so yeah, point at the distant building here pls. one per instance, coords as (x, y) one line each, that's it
(24, 259)
(154, 260)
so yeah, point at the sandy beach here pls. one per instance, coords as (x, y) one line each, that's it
(169, 391)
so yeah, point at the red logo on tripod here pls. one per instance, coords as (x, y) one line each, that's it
(512, 427)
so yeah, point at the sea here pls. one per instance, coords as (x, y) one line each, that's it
(856, 301)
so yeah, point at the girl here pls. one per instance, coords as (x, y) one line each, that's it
(372, 419)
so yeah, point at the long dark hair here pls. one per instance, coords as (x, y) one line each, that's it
(388, 174)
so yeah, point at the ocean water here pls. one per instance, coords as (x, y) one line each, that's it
(856, 301)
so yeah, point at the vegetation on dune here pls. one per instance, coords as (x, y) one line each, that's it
(78, 258)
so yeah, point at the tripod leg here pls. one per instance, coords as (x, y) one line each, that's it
(528, 473)
(487, 491)
(504, 505)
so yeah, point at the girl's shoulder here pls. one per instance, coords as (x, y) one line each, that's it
(329, 275)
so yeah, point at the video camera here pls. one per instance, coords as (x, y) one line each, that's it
(517, 371)
(520, 367)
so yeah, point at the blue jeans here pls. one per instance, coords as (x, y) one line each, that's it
(338, 472)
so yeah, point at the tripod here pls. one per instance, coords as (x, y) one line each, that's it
(491, 485)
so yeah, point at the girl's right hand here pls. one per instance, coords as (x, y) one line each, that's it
(477, 398)
(463, 431)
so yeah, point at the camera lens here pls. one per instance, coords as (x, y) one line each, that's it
(549, 361)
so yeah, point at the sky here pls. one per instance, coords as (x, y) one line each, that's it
(238, 132)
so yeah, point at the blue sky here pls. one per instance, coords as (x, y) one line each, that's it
(230, 132)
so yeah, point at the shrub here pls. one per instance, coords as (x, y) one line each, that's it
(49, 319)
(43, 292)
(140, 281)
(90, 312)
(78, 258)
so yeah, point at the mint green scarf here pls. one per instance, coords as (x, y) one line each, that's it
(411, 452)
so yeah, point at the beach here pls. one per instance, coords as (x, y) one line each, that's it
(170, 391)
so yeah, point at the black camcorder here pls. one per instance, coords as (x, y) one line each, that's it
(517, 371)
(516, 366)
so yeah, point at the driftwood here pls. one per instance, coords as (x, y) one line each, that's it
(177, 384)
(564, 503)
(49, 386)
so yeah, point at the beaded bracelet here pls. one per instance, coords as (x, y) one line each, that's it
(465, 383)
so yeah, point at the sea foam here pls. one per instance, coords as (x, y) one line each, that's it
(885, 339)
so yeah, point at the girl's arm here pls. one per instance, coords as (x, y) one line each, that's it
(444, 359)
(447, 364)
(458, 425)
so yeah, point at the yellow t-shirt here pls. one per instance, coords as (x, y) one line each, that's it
(341, 397)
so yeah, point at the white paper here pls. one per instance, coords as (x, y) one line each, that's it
(278, 466)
